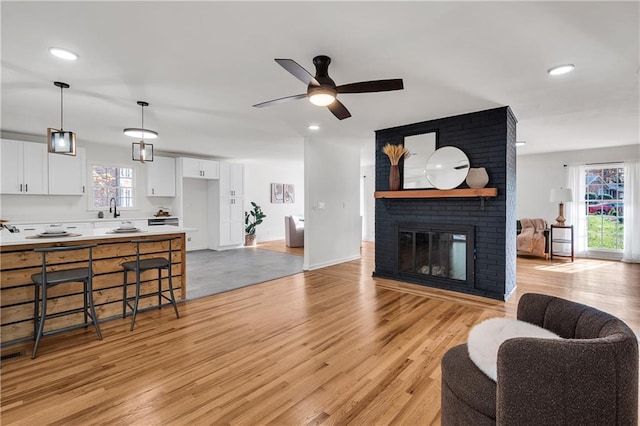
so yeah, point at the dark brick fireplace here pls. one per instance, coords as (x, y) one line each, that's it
(488, 225)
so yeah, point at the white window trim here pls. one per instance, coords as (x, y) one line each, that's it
(601, 252)
(136, 196)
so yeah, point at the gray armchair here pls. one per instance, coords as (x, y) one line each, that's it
(294, 231)
(589, 379)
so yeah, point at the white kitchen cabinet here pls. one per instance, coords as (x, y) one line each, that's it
(231, 180)
(231, 221)
(24, 167)
(226, 208)
(199, 169)
(68, 173)
(161, 177)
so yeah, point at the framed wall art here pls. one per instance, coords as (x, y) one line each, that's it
(277, 193)
(289, 193)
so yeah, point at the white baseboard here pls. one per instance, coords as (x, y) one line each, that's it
(330, 263)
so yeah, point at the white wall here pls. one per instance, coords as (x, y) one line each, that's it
(368, 175)
(331, 176)
(538, 173)
(57, 207)
(195, 212)
(258, 176)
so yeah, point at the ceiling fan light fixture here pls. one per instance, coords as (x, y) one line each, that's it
(314, 127)
(321, 96)
(322, 99)
(561, 69)
(65, 54)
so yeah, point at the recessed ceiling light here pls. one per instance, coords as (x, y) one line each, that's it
(520, 143)
(314, 127)
(63, 53)
(562, 69)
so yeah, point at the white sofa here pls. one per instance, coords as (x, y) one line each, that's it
(294, 231)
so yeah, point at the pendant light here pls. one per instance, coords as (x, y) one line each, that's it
(59, 141)
(141, 151)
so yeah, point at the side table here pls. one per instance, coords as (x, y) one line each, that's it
(561, 235)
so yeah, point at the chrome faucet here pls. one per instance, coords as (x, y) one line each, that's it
(115, 207)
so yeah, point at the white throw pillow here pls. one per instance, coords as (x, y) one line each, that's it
(485, 340)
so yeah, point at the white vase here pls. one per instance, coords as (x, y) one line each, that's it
(477, 177)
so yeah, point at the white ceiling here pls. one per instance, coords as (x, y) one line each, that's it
(201, 65)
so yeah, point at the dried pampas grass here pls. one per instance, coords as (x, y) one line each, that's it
(395, 153)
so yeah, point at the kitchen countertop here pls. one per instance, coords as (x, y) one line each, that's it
(106, 218)
(82, 234)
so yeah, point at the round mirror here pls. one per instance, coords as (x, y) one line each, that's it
(447, 167)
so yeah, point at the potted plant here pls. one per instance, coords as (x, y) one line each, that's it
(252, 218)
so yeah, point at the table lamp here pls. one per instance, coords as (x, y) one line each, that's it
(561, 195)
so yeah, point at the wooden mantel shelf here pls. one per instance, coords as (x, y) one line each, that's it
(437, 193)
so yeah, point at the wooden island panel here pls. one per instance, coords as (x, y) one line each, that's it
(19, 262)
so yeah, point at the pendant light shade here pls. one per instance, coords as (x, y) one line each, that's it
(141, 151)
(59, 141)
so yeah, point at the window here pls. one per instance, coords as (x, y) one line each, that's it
(604, 199)
(109, 182)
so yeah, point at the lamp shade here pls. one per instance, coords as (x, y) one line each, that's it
(142, 152)
(561, 195)
(61, 142)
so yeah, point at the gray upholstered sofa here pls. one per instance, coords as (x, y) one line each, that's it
(589, 379)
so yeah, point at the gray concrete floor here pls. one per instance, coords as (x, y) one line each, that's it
(210, 272)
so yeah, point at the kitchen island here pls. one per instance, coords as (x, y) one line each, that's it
(18, 262)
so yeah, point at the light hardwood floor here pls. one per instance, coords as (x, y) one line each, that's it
(332, 346)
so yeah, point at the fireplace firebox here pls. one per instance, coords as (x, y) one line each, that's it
(436, 253)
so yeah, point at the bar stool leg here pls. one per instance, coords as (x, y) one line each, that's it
(43, 316)
(94, 316)
(124, 295)
(36, 309)
(86, 305)
(135, 304)
(173, 299)
(159, 288)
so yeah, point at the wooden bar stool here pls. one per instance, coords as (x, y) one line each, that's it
(139, 266)
(47, 279)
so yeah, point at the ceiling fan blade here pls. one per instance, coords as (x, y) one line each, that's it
(340, 111)
(372, 86)
(296, 69)
(280, 100)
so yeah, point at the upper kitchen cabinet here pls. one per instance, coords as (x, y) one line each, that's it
(68, 173)
(199, 169)
(231, 180)
(161, 177)
(24, 167)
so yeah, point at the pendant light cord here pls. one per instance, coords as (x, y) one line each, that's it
(61, 108)
(142, 122)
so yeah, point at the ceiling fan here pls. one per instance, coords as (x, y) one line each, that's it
(322, 90)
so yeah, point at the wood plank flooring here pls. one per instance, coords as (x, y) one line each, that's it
(280, 246)
(331, 346)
